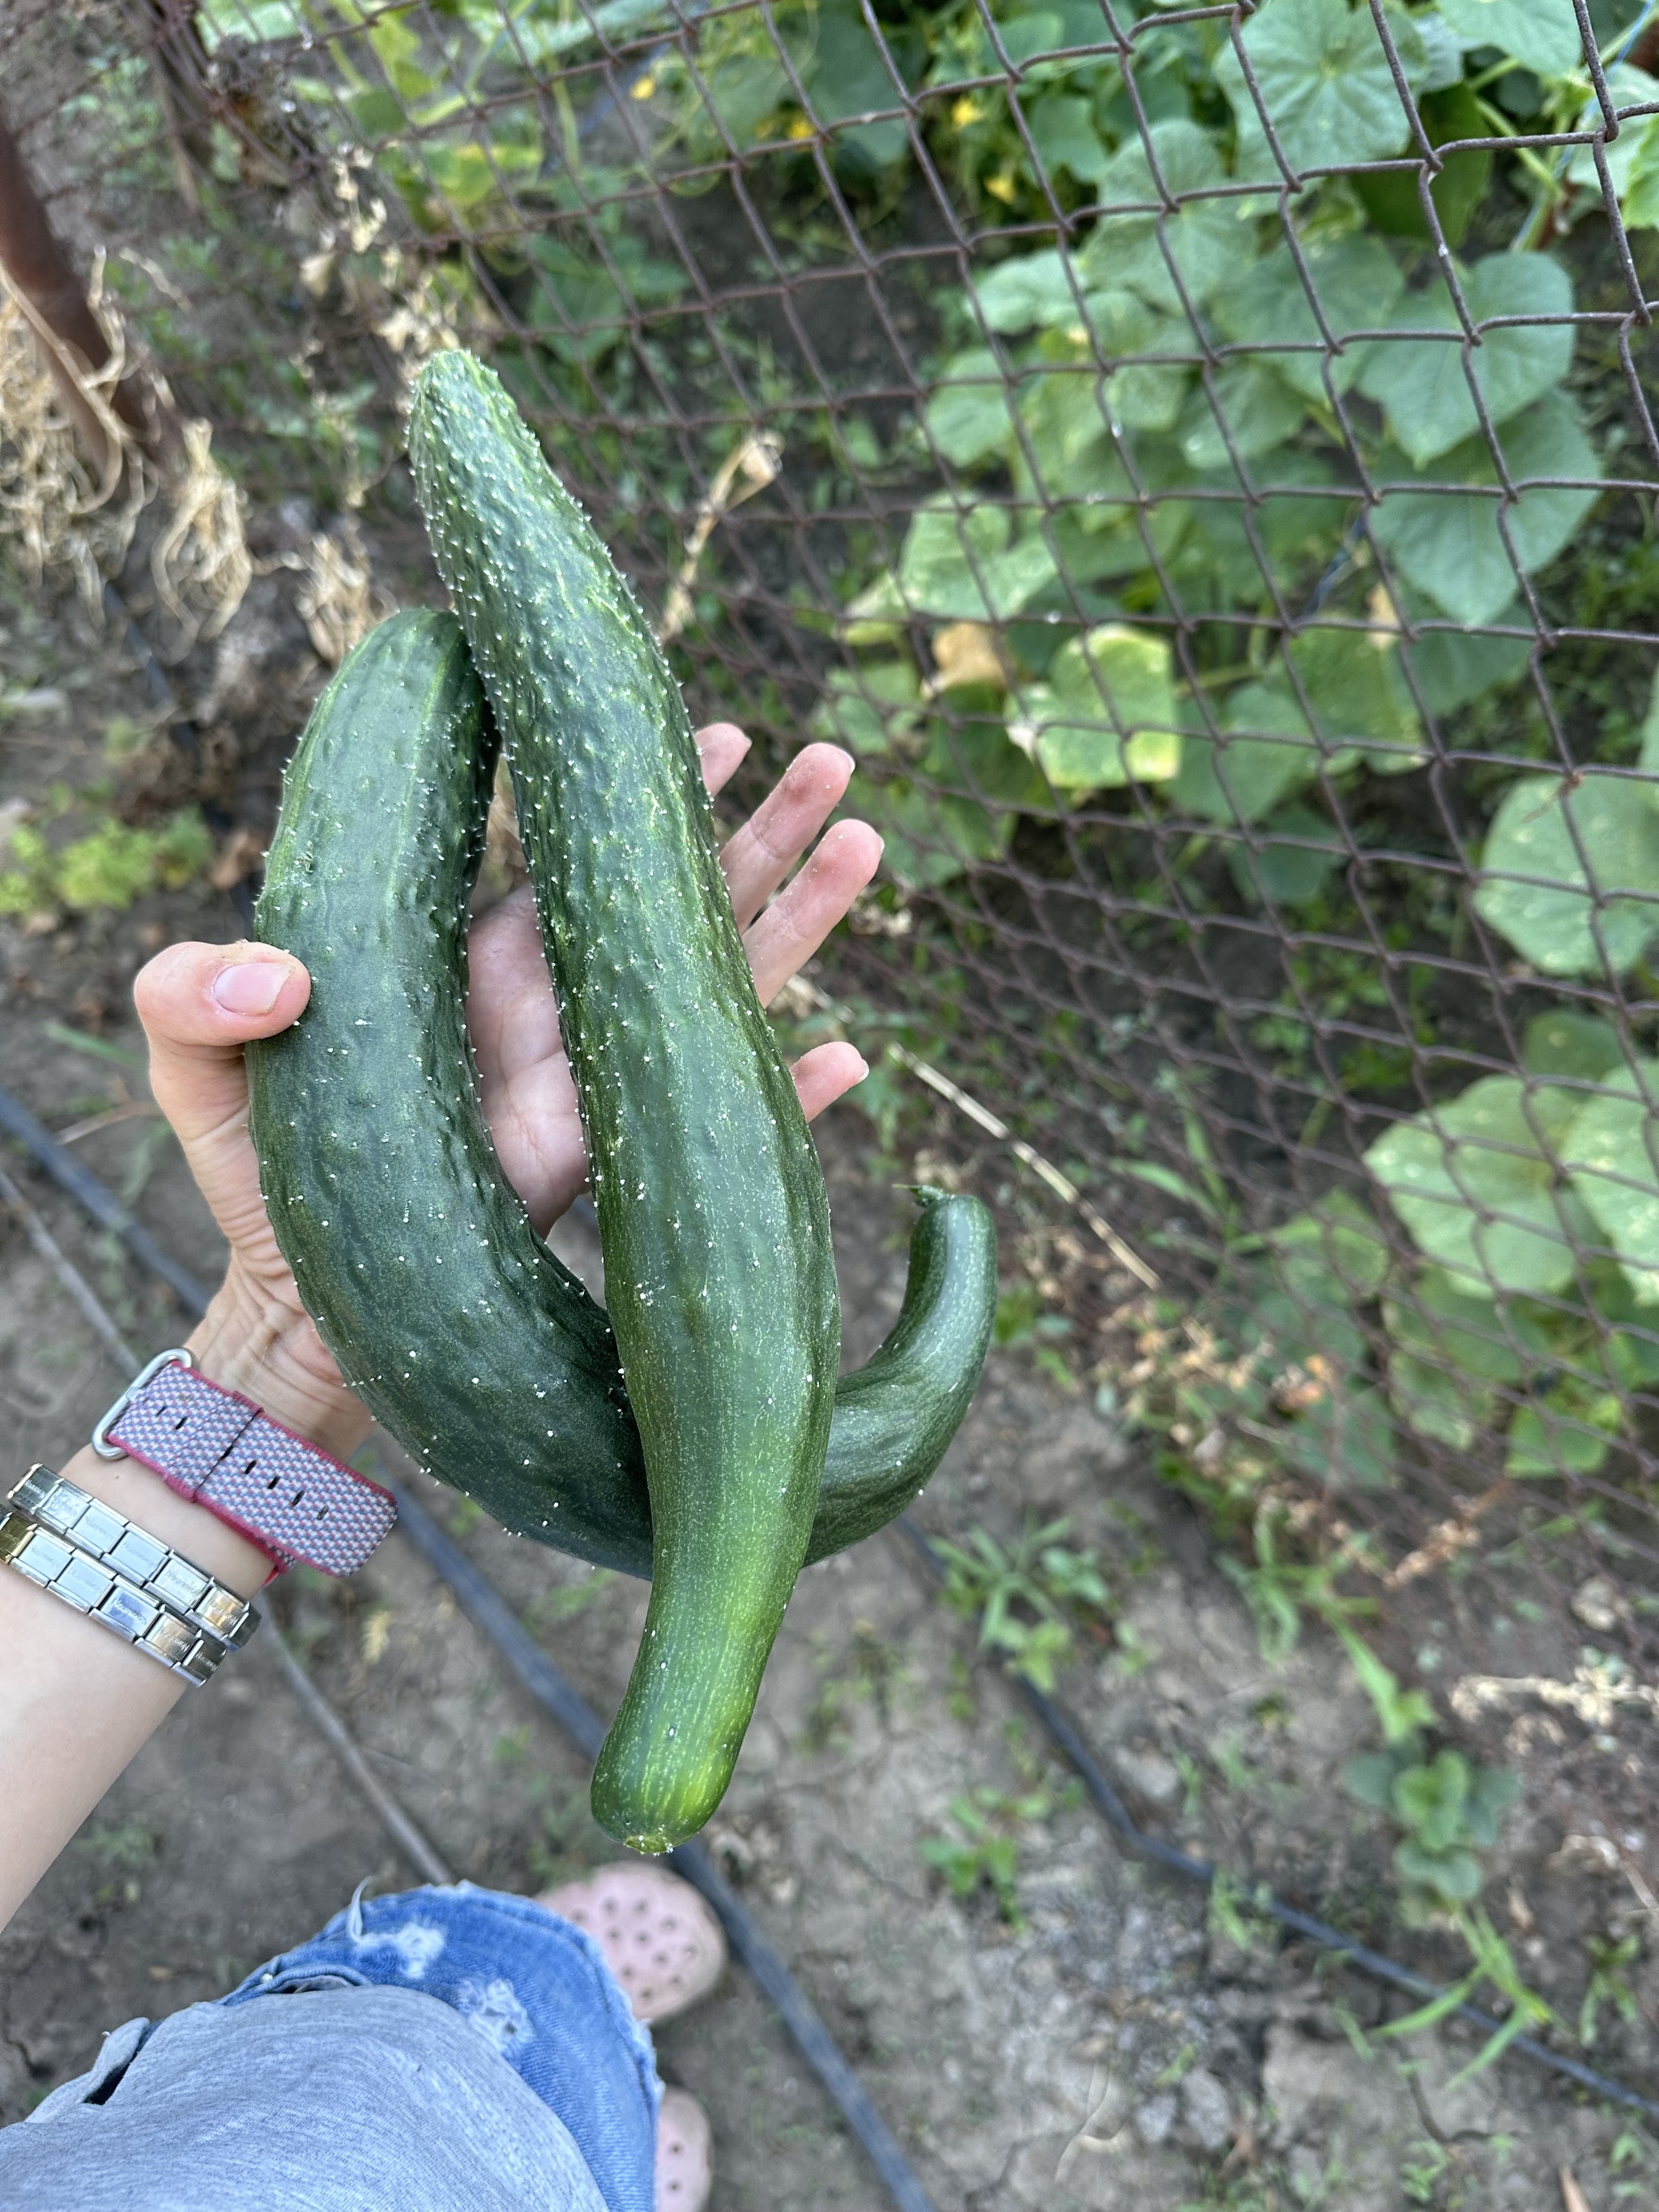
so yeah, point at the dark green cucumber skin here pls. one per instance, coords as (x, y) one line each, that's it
(895, 1415)
(449, 1317)
(370, 1103)
(712, 1217)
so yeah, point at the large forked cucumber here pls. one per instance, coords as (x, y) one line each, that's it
(487, 1359)
(718, 1276)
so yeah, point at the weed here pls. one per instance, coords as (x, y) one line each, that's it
(1237, 1918)
(870, 1670)
(511, 1746)
(120, 1848)
(1029, 1601)
(1021, 1320)
(1494, 1966)
(565, 1843)
(109, 867)
(985, 1850)
(1610, 1960)
(1422, 2170)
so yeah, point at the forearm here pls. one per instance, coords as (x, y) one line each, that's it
(76, 1703)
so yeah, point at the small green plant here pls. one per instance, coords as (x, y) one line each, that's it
(555, 1608)
(109, 867)
(868, 1671)
(1029, 1600)
(1633, 2158)
(1236, 1916)
(121, 1847)
(1450, 1811)
(1494, 1967)
(1021, 1319)
(1424, 2168)
(1610, 1960)
(985, 1850)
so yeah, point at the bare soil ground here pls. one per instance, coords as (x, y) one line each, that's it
(1123, 2047)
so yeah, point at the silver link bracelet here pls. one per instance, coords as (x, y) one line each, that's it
(92, 1557)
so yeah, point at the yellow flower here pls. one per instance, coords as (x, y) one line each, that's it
(643, 86)
(1001, 187)
(800, 128)
(967, 110)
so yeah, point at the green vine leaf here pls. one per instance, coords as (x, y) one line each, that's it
(1108, 713)
(1476, 1182)
(1325, 82)
(958, 564)
(1451, 1349)
(1570, 875)
(1612, 1152)
(1205, 238)
(967, 416)
(1357, 283)
(1257, 408)
(1540, 34)
(1422, 385)
(1363, 706)
(1449, 542)
(1037, 289)
(1632, 158)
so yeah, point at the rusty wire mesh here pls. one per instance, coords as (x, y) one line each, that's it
(1198, 459)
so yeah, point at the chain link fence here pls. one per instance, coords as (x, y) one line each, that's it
(1198, 459)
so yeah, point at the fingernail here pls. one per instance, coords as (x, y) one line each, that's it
(249, 986)
(864, 1069)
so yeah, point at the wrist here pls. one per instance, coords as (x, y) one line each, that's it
(270, 1353)
(138, 1493)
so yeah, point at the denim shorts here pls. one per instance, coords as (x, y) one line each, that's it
(490, 2060)
(535, 1988)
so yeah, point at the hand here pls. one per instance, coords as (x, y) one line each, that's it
(200, 1004)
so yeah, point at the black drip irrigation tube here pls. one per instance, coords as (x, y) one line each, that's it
(491, 1614)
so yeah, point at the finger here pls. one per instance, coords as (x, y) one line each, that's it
(783, 825)
(199, 1005)
(800, 918)
(826, 1073)
(722, 745)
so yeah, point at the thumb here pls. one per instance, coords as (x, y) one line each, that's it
(199, 1005)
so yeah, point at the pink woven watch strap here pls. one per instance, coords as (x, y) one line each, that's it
(221, 1452)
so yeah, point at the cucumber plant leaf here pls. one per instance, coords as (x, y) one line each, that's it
(1570, 875)
(1325, 82)
(1247, 408)
(1448, 542)
(1540, 35)
(1450, 1351)
(1203, 237)
(1612, 1151)
(1107, 714)
(958, 564)
(1632, 158)
(1356, 282)
(1422, 385)
(1336, 1245)
(1034, 289)
(1476, 1181)
(967, 416)
(1298, 854)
